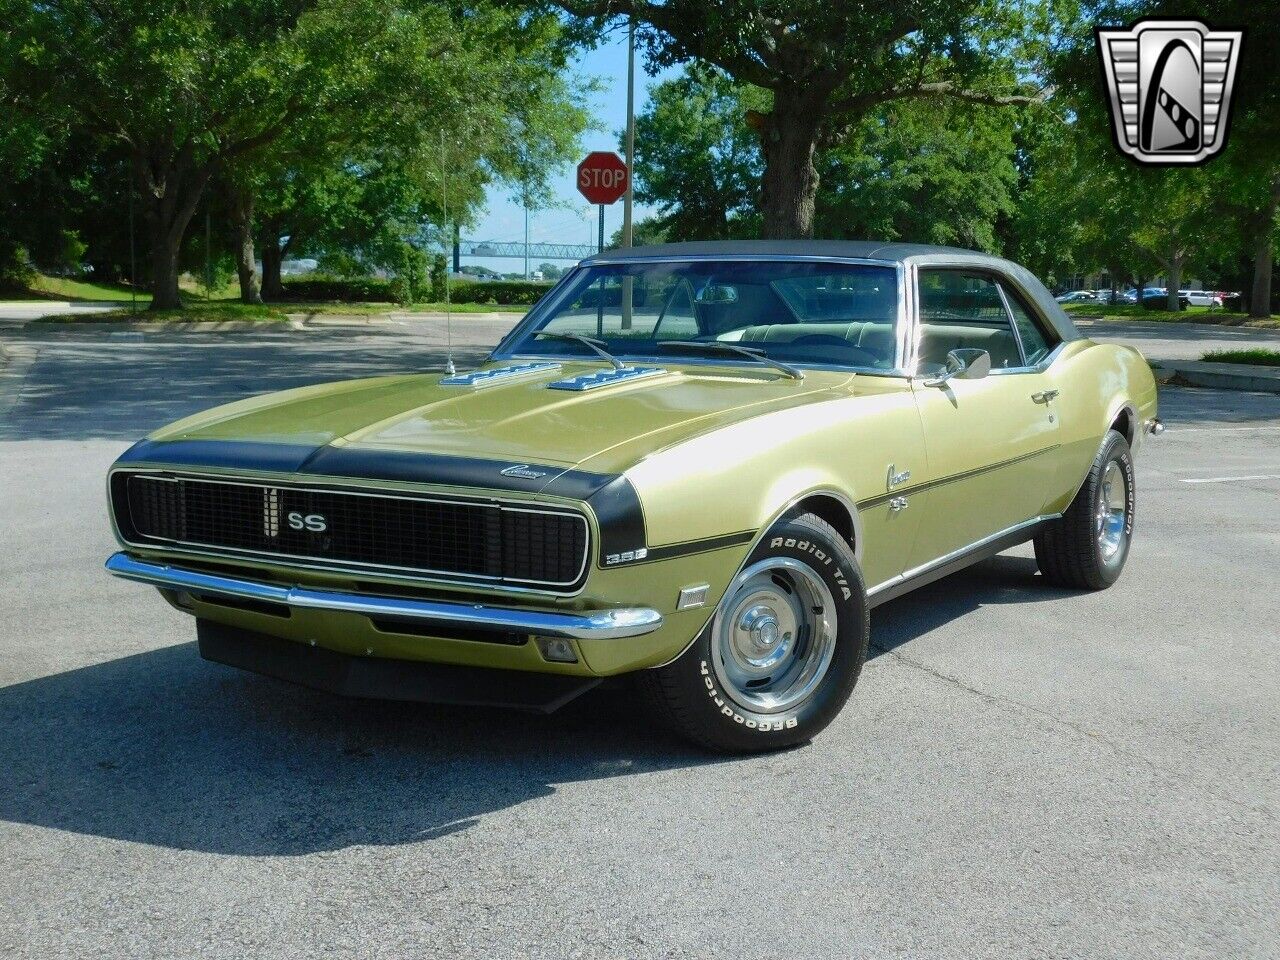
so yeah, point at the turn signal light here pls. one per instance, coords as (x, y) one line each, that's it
(556, 649)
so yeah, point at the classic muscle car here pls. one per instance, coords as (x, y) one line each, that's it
(700, 464)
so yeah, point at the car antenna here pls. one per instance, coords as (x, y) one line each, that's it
(449, 368)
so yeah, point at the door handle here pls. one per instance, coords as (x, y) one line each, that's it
(1044, 396)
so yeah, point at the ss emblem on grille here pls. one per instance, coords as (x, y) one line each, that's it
(311, 521)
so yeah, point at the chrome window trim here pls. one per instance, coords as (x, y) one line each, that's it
(1000, 278)
(215, 551)
(552, 300)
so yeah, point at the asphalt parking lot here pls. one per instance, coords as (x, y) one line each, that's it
(1022, 772)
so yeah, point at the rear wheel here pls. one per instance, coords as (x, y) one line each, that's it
(1086, 548)
(782, 652)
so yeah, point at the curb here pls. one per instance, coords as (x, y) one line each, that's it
(1221, 376)
(155, 326)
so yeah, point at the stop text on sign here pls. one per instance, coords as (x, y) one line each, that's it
(602, 177)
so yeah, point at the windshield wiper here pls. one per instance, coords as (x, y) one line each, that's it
(590, 342)
(720, 346)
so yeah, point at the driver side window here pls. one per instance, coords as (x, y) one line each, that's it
(961, 310)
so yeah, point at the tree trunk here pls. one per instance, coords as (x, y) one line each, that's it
(169, 191)
(246, 268)
(790, 181)
(1260, 294)
(164, 270)
(272, 258)
(1174, 278)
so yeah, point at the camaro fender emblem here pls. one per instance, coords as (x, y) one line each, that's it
(1170, 86)
(522, 470)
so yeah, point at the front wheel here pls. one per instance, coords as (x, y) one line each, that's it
(1086, 548)
(782, 652)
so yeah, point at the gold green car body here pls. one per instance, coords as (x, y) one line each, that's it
(914, 476)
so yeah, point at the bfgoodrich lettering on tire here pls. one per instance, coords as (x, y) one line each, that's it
(782, 652)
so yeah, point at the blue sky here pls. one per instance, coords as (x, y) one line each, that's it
(573, 220)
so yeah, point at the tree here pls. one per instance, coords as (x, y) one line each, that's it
(926, 172)
(697, 160)
(827, 66)
(933, 172)
(190, 93)
(366, 184)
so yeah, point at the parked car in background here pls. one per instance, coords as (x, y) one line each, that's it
(1158, 299)
(701, 464)
(1077, 296)
(1202, 298)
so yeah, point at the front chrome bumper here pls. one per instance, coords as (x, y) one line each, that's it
(587, 625)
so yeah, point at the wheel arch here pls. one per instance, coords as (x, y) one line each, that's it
(1124, 420)
(825, 502)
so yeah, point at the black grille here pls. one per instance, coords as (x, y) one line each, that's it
(456, 538)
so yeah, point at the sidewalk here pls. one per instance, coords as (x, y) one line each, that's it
(1224, 376)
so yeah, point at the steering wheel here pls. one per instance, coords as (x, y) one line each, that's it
(863, 355)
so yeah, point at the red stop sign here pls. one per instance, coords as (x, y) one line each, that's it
(602, 177)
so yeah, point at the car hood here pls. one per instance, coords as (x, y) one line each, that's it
(517, 421)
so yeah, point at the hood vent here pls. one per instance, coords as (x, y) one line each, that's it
(605, 378)
(483, 378)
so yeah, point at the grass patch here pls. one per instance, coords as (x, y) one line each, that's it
(202, 312)
(64, 288)
(1258, 357)
(1129, 311)
(373, 309)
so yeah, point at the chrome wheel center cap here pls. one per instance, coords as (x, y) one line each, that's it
(761, 637)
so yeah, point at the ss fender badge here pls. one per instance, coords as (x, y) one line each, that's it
(627, 556)
(522, 470)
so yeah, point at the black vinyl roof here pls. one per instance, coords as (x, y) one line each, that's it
(859, 249)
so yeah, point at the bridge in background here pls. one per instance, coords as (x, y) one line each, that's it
(516, 249)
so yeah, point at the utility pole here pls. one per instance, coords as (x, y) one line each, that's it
(627, 226)
(627, 229)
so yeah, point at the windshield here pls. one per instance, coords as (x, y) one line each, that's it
(797, 312)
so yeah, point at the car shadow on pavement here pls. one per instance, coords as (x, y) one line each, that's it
(163, 748)
(1001, 579)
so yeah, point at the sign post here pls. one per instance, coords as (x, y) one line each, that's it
(603, 178)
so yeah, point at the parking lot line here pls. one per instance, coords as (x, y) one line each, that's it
(1259, 476)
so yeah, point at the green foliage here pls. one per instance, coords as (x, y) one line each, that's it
(1258, 357)
(439, 280)
(926, 172)
(696, 158)
(524, 292)
(16, 271)
(410, 284)
(932, 172)
(828, 66)
(326, 288)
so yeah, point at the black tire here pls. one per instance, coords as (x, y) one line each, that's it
(1070, 551)
(689, 694)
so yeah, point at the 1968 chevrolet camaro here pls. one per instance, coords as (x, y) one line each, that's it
(699, 464)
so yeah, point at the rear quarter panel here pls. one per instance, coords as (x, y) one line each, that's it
(1099, 384)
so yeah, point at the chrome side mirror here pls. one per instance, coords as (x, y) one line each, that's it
(966, 363)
